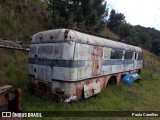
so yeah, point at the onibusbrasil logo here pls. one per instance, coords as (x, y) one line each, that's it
(13, 114)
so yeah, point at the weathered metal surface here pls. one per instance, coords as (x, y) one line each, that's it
(10, 99)
(69, 91)
(4, 43)
(85, 61)
(4, 97)
(57, 51)
(57, 35)
(71, 65)
(91, 89)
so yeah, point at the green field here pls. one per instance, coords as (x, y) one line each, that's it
(144, 96)
(139, 96)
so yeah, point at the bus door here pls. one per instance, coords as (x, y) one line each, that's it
(135, 63)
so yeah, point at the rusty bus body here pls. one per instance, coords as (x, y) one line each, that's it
(70, 65)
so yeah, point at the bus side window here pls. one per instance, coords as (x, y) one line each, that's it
(116, 54)
(128, 55)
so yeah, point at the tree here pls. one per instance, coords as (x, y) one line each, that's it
(123, 30)
(127, 32)
(115, 19)
(93, 14)
(156, 46)
(86, 14)
(60, 12)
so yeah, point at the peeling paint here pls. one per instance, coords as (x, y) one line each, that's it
(70, 65)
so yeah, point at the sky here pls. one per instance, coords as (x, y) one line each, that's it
(138, 12)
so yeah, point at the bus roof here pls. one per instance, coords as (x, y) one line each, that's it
(64, 35)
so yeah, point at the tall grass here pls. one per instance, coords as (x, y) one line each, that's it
(20, 22)
(151, 62)
(147, 75)
(138, 97)
(13, 67)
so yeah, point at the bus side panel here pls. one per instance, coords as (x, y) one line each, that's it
(81, 89)
(64, 74)
(92, 56)
(127, 65)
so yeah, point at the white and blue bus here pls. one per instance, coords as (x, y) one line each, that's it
(71, 65)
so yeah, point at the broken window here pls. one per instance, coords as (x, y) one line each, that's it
(128, 55)
(116, 54)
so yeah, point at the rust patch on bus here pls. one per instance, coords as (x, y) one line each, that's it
(72, 91)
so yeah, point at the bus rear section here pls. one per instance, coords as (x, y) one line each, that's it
(51, 68)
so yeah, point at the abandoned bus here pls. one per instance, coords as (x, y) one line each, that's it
(68, 65)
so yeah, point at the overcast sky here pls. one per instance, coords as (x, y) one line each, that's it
(138, 12)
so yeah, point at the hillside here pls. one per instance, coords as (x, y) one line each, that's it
(19, 20)
(148, 38)
(151, 61)
(13, 67)
(106, 32)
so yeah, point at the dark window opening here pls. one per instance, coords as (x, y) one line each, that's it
(128, 55)
(135, 57)
(116, 54)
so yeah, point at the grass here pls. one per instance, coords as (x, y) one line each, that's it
(151, 61)
(13, 67)
(106, 32)
(142, 96)
(19, 21)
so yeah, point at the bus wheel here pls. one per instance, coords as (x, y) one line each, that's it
(112, 81)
